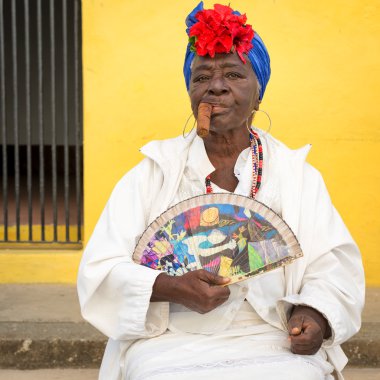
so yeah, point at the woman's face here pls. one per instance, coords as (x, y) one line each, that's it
(227, 83)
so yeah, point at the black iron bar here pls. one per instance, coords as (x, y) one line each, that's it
(41, 119)
(53, 123)
(65, 121)
(27, 120)
(77, 121)
(3, 122)
(21, 37)
(15, 119)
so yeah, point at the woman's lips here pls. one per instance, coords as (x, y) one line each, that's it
(218, 109)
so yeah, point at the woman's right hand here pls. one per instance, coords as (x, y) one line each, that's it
(198, 290)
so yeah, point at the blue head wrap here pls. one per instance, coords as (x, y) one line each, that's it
(258, 55)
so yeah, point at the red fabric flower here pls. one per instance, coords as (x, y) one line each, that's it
(219, 30)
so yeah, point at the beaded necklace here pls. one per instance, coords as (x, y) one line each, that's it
(257, 165)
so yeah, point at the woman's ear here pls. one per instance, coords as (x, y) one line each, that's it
(257, 103)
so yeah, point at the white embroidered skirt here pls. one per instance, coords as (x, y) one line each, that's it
(248, 349)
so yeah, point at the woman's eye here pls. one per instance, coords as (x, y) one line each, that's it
(201, 78)
(233, 75)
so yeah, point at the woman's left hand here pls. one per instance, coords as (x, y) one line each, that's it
(307, 328)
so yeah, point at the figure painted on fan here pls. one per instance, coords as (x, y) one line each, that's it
(155, 250)
(168, 229)
(171, 265)
(241, 240)
(211, 244)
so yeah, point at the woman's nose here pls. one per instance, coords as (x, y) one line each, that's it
(217, 86)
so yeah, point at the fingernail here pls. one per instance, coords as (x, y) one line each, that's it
(296, 331)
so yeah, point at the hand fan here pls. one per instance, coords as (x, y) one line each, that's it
(226, 234)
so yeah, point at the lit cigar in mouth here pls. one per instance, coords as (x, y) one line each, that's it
(204, 117)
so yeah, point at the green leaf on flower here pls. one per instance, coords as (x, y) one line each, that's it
(192, 41)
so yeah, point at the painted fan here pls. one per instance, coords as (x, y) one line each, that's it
(226, 234)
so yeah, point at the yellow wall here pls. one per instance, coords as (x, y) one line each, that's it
(325, 72)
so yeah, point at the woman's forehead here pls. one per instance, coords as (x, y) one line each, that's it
(219, 61)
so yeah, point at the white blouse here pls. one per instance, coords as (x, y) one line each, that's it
(193, 184)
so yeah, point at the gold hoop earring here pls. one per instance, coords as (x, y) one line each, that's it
(248, 127)
(267, 115)
(187, 121)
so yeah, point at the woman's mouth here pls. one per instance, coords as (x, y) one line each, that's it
(218, 109)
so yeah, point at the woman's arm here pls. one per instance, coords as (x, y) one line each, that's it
(114, 292)
(333, 279)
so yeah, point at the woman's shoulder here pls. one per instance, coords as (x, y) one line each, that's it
(167, 149)
(145, 172)
(280, 154)
(155, 152)
(159, 154)
(291, 163)
(277, 146)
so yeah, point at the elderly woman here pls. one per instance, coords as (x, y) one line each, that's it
(287, 323)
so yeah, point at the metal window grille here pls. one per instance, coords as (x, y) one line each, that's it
(41, 123)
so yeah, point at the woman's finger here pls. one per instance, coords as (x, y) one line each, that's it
(213, 279)
(295, 325)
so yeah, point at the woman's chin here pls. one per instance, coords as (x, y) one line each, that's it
(220, 128)
(216, 129)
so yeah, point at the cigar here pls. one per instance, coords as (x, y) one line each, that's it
(203, 121)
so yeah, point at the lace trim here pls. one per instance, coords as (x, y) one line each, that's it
(273, 360)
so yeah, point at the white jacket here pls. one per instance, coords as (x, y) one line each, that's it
(114, 292)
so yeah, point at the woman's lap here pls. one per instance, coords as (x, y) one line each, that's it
(184, 357)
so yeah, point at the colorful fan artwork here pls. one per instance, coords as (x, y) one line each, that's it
(226, 234)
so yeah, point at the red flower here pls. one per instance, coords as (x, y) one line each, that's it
(219, 30)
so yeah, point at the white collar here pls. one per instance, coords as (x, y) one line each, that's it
(198, 166)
